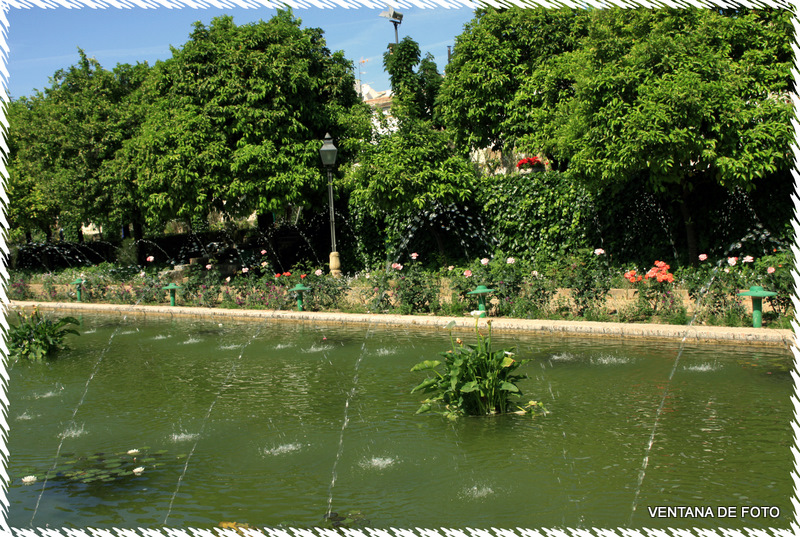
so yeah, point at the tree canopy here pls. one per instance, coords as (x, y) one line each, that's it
(670, 97)
(237, 116)
(63, 139)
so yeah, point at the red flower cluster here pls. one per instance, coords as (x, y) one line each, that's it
(532, 161)
(284, 274)
(660, 272)
(632, 277)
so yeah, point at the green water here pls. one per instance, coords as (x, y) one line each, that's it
(250, 417)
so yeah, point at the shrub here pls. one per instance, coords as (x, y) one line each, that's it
(774, 274)
(19, 289)
(417, 290)
(589, 280)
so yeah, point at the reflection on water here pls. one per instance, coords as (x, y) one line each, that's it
(277, 395)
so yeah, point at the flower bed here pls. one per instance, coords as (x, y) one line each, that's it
(585, 287)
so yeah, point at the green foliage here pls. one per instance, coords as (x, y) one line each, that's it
(589, 279)
(715, 286)
(32, 207)
(376, 293)
(414, 93)
(540, 216)
(774, 273)
(19, 289)
(494, 56)
(473, 380)
(36, 337)
(327, 293)
(661, 91)
(660, 96)
(408, 170)
(203, 285)
(63, 141)
(237, 115)
(514, 290)
(416, 290)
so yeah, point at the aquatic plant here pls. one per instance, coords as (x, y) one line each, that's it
(473, 379)
(35, 336)
(101, 468)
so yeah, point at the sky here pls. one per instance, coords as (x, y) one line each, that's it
(41, 41)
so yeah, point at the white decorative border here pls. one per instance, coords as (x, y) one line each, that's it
(5, 530)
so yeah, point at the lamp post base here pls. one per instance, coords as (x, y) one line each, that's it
(336, 266)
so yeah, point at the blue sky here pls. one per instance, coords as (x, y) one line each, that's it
(41, 41)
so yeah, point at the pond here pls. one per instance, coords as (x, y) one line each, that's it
(274, 424)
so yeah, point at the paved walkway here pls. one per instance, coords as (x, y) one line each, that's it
(693, 334)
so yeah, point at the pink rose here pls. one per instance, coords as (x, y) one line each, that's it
(467, 273)
(732, 260)
(150, 258)
(208, 267)
(318, 272)
(727, 270)
(414, 255)
(263, 252)
(484, 261)
(702, 257)
(510, 260)
(747, 259)
(263, 263)
(451, 267)
(599, 251)
(245, 269)
(770, 270)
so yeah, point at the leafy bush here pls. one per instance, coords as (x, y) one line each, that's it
(589, 279)
(473, 380)
(19, 289)
(203, 285)
(714, 287)
(774, 274)
(417, 290)
(35, 336)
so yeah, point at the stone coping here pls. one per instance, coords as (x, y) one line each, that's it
(689, 334)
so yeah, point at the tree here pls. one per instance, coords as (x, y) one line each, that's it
(492, 58)
(414, 93)
(62, 139)
(670, 97)
(32, 207)
(236, 119)
(414, 169)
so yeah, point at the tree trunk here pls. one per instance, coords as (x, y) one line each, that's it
(79, 231)
(28, 236)
(691, 233)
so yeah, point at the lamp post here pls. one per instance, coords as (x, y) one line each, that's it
(328, 155)
(395, 17)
